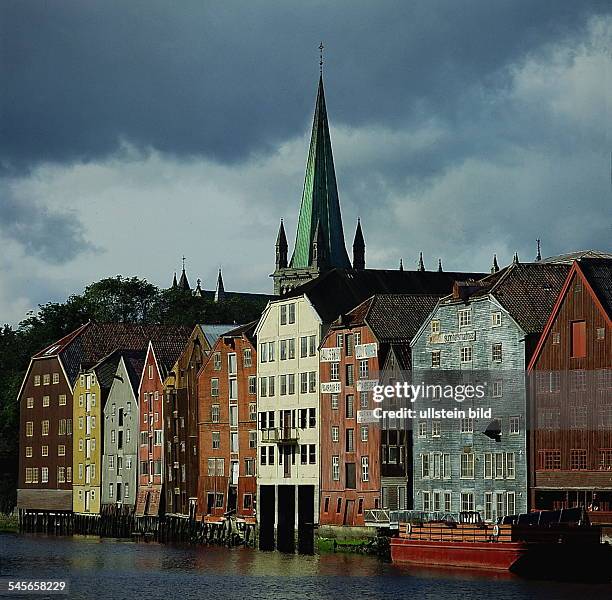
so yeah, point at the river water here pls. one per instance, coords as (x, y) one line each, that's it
(117, 570)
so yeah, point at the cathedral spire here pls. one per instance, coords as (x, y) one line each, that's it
(220, 291)
(494, 266)
(421, 266)
(358, 248)
(320, 203)
(183, 281)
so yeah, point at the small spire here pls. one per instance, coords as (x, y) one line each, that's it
(183, 283)
(401, 265)
(439, 265)
(174, 281)
(494, 266)
(515, 260)
(183, 263)
(220, 291)
(198, 291)
(421, 263)
(358, 248)
(321, 58)
(539, 254)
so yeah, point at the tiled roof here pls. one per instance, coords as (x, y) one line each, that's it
(391, 317)
(168, 348)
(247, 330)
(339, 290)
(598, 272)
(570, 257)
(90, 343)
(134, 364)
(528, 291)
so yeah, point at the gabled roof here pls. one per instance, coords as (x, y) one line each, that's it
(213, 332)
(320, 203)
(134, 365)
(596, 273)
(570, 257)
(167, 349)
(247, 330)
(339, 290)
(527, 291)
(391, 317)
(90, 343)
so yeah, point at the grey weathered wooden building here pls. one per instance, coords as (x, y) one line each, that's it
(121, 430)
(483, 333)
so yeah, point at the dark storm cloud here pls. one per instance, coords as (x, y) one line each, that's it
(226, 80)
(53, 236)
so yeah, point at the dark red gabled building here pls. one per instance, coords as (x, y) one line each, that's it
(571, 400)
(227, 413)
(365, 464)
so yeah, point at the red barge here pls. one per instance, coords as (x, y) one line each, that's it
(548, 544)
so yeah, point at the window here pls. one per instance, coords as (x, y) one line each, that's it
(349, 344)
(312, 345)
(44, 451)
(364, 433)
(499, 465)
(158, 437)
(326, 504)
(334, 371)
(219, 500)
(549, 460)
(465, 317)
(605, 459)
(312, 381)
(216, 440)
(263, 352)
(246, 357)
(45, 427)
(214, 413)
(252, 439)
(292, 313)
(28, 452)
(578, 339)
(291, 344)
(422, 429)
(435, 358)
(46, 379)
(510, 503)
(252, 411)
(335, 431)
(425, 466)
(291, 383)
(111, 462)
(435, 326)
(271, 346)
(30, 403)
(446, 466)
(466, 354)
(29, 428)
(436, 501)
(556, 338)
(45, 401)
(350, 440)
(61, 450)
(497, 389)
(62, 400)
(334, 402)
(578, 460)
(350, 374)
(214, 387)
(488, 465)
(496, 319)
(365, 468)
(435, 428)
(232, 363)
(249, 467)
(467, 425)
(336, 468)
(263, 387)
(283, 314)
(515, 425)
(364, 400)
(499, 504)
(510, 465)
(303, 346)
(496, 352)
(283, 385)
(271, 385)
(467, 465)
(363, 369)
(312, 456)
(36, 380)
(577, 380)
(283, 349)
(578, 417)
(467, 501)
(600, 333)
(270, 455)
(252, 384)
(211, 467)
(350, 406)
(426, 502)
(150, 371)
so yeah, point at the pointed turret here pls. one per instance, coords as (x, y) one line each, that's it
(494, 266)
(421, 266)
(401, 265)
(198, 291)
(282, 248)
(539, 254)
(220, 290)
(183, 283)
(320, 201)
(515, 260)
(358, 248)
(439, 265)
(174, 282)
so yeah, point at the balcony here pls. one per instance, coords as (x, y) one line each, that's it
(280, 435)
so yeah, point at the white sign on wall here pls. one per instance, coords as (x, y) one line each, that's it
(330, 354)
(366, 351)
(447, 338)
(331, 387)
(366, 385)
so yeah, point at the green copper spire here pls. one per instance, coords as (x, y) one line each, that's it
(320, 202)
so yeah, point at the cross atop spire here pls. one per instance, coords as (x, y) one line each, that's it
(321, 58)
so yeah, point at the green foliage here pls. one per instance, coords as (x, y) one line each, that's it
(115, 299)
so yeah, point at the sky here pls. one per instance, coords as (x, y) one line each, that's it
(133, 133)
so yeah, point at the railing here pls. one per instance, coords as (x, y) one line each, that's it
(280, 435)
(378, 517)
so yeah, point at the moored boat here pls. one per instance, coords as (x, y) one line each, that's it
(548, 544)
